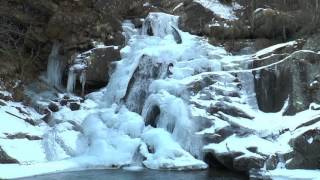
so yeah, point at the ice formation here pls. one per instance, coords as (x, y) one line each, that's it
(54, 69)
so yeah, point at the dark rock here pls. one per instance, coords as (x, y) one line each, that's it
(228, 109)
(212, 162)
(308, 123)
(194, 18)
(270, 23)
(23, 136)
(222, 134)
(291, 79)
(53, 107)
(63, 102)
(176, 35)
(5, 158)
(313, 43)
(306, 148)
(74, 106)
(245, 163)
(226, 159)
(253, 149)
(97, 72)
(48, 116)
(272, 162)
(66, 97)
(137, 22)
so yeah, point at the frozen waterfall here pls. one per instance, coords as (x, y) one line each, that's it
(54, 69)
(144, 116)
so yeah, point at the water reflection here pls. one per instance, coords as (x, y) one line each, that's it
(212, 174)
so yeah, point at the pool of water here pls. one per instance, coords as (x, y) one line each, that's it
(142, 175)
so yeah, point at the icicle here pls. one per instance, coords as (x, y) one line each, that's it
(54, 68)
(282, 162)
(83, 79)
(72, 77)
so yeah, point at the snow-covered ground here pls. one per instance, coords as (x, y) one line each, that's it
(154, 112)
(222, 10)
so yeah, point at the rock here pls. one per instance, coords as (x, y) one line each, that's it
(23, 136)
(74, 106)
(245, 163)
(194, 18)
(2, 103)
(97, 72)
(92, 68)
(272, 162)
(54, 107)
(221, 134)
(226, 159)
(235, 161)
(47, 117)
(63, 102)
(228, 109)
(5, 159)
(270, 23)
(306, 148)
(246, 46)
(313, 43)
(294, 78)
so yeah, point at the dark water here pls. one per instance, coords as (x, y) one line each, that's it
(142, 175)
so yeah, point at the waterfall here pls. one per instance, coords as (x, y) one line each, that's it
(159, 24)
(143, 116)
(71, 84)
(138, 89)
(78, 69)
(145, 79)
(54, 69)
(166, 111)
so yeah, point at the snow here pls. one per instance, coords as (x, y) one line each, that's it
(10, 124)
(5, 93)
(177, 7)
(310, 140)
(273, 48)
(284, 174)
(168, 154)
(224, 11)
(24, 150)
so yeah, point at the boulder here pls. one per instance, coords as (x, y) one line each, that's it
(272, 162)
(194, 18)
(74, 106)
(54, 107)
(306, 148)
(101, 58)
(92, 68)
(270, 23)
(227, 159)
(244, 163)
(5, 159)
(228, 109)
